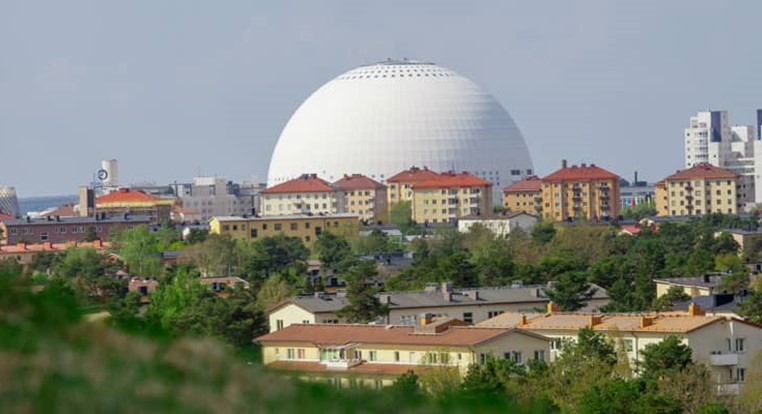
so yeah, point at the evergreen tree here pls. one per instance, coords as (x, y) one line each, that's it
(571, 291)
(363, 306)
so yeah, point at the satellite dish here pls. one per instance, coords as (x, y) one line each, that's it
(102, 175)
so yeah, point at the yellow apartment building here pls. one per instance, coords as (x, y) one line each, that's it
(524, 196)
(704, 285)
(449, 197)
(303, 226)
(698, 190)
(306, 194)
(363, 197)
(378, 353)
(580, 192)
(400, 186)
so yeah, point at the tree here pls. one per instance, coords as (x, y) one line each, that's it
(752, 387)
(406, 385)
(543, 232)
(571, 291)
(196, 236)
(363, 306)
(90, 234)
(138, 247)
(180, 291)
(751, 307)
(218, 256)
(400, 214)
(458, 269)
(613, 396)
(490, 378)
(278, 253)
(85, 268)
(332, 250)
(674, 295)
(274, 290)
(666, 357)
(375, 243)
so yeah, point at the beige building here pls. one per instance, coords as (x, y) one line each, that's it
(725, 345)
(524, 196)
(303, 226)
(698, 190)
(500, 225)
(449, 197)
(408, 308)
(400, 186)
(363, 197)
(307, 194)
(703, 285)
(379, 353)
(580, 192)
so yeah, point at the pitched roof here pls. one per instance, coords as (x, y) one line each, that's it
(532, 296)
(65, 210)
(413, 174)
(128, 196)
(508, 319)
(702, 171)
(582, 172)
(664, 322)
(530, 183)
(357, 182)
(709, 280)
(4, 216)
(450, 179)
(306, 183)
(343, 334)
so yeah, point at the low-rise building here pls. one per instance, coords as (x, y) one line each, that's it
(698, 190)
(407, 308)
(132, 202)
(222, 285)
(66, 229)
(500, 226)
(725, 345)
(703, 285)
(304, 226)
(524, 196)
(449, 197)
(376, 354)
(24, 252)
(363, 197)
(580, 192)
(302, 195)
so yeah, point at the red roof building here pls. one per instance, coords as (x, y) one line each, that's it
(452, 180)
(582, 172)
(524, 196)
(362, 196)
(531, 183)
(699, 190)
(412, 175)
(357, 182)
(130, 201)
(307, 183)
(702, 171)
(584, 192)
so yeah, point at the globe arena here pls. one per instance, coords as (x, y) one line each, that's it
(386, 117)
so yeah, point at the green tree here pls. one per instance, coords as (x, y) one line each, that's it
(401, 215)
(278, 253)
(90, 234)
(571, 291)
(491, 377)
(363, 306)
(138, 247)
(543, 232)
(273, 291)
(196, 236)
(665, 357)
(674, 295)
(86, 270)
(613, 396)
(219, 256)
(179, 291)
(333, 250)
(751, 307)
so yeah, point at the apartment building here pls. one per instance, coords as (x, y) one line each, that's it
(127, 201)
(400, 185)
(580, 192)
(698, 190)
(376, 354)
(450, 196)
(307, 227)
(363, 197)
(408, 308)
(524, 196)
(306, 194)
(65, 229)
(725, 345)
(206, 197)
(704, 285)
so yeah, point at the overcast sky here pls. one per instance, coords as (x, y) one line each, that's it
(173, 88)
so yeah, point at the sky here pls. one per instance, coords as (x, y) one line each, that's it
(177, 88)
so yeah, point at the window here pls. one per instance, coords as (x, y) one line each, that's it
(254, 233)
(44, 236)
(294, 226)
(539, 355)
(516, 357)
(373, 355)
(279, 324)
(290, 353)
(396, 356)
(468, 317)
(358, 354)
(307, 225)
(225, 227)
(740, 374)
(555, 344)
(278, 227)
(628, 345)
(264, 226)
(739, 344)
(318, 231)
(492, 314)
(300, 353)
(483, 358)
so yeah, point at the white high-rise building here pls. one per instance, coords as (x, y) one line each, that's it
(711, 139)
(9, 203)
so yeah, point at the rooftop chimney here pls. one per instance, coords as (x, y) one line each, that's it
(553, 307)
(563, 163)
(707, 278)
(385, 299)
(447, 287)
(646, 321)
(426, 318)
(695, 310)
(522, 320)
(473, 294)
(595, 320)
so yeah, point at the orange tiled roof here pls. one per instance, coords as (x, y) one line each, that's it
(307, 183)
(450, 179)
(531, 183)
(666, 322)
(47, 246)
(413, 174)
(380, 334)
(66, 210)
(4, 216)
(357, 182)
(126, 195)
(582, 173)
(702, 171)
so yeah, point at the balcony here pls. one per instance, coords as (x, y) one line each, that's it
(724, 360)
(339, 364)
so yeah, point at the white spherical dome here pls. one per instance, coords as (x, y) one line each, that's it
(381, 119)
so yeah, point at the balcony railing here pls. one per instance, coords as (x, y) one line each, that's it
(722, 360)
(340, 363)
